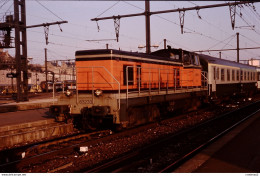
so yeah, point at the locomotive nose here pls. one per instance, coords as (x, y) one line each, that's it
(100, 110)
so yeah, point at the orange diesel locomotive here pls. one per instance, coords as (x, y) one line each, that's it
(122, 89)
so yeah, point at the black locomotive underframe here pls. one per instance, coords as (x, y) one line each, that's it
(181, 100)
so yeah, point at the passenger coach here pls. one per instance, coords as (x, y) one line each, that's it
(227, 78)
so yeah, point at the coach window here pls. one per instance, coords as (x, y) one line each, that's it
(258, 76)
(217, 74)
(228, 75)
(241, 75)
(237, 75)
(233, 75)
(130, 70)
(214, 73)
(245, 76)
(222, 74)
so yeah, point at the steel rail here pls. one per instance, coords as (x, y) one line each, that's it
(118, 164)
(189, 155)
(41, 156)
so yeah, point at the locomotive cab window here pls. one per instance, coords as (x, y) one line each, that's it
(196, 60)
(187, 59)
(130, 76)
(174, 56)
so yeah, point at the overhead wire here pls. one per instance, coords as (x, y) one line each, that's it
(49, 10)
(223, 30)
(252, 27)
(232, 36)
(4, 2)
(108, 9)
(212, 38)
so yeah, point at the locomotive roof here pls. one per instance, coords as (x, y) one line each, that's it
(214, 60)
(136, 54)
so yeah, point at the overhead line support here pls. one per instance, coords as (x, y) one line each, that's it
(147, 13)
(173, 10)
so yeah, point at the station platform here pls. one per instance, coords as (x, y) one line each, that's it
(236, 152)
(27, 122)
(11, 106)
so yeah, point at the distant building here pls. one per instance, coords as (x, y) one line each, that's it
(6, 60)
(36, 72)
(254, 62)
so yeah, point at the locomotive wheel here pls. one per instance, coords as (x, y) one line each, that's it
(89, 122)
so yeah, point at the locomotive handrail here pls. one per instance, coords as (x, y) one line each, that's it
(92, 70)
(205, 80)
(176, 81)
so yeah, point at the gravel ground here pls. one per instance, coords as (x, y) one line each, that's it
(104, 151)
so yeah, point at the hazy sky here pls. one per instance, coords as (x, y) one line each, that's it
(212, 31)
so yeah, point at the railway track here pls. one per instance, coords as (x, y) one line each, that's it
(169, 153)
(56, 157)
(20, 156)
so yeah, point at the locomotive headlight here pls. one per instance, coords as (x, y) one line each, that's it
(68, 93)
(98, 92)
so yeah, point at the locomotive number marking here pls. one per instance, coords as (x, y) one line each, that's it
(85, 101)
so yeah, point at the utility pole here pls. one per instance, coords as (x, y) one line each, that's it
(147, 26)
(46, 70)
(237, 47)
(164, 42)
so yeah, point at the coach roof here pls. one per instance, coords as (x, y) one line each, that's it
(218, 61)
